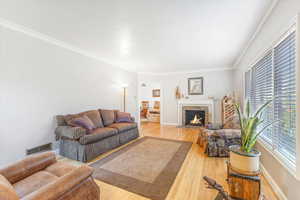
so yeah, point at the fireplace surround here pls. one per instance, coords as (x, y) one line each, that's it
(189, 113)
(197, 105)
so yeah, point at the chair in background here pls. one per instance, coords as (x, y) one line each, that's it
(144, 109)
(154, 113)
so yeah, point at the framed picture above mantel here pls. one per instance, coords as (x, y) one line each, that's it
(195, 86)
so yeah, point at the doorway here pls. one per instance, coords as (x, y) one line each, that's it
(150, 102)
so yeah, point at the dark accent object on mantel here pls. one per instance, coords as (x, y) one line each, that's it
(42, 177)
(84, 145)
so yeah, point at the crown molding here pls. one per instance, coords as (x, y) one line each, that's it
(51, 40)
(254, 36)
(186, 72)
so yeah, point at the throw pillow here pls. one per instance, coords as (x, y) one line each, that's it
(233, 123)
(214, 126)
(108, 117)
(83, 122)
(95, 117)
(123, 117)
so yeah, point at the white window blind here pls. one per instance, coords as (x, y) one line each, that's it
(273, 77)
(285, 97)
(247, 84)
(263, 91)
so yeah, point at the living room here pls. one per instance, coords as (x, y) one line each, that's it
(150, 100)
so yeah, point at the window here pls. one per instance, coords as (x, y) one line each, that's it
(247, 84)
(262, 91)
(273, 77)
(285, 97)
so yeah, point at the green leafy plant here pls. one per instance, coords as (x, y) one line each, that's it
(249, 123)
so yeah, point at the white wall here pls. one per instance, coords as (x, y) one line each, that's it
(216, 84)
(39, 80)
(277, 22)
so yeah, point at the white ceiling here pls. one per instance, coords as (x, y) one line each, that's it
(146, 35)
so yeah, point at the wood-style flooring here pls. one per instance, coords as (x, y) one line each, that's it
(188, 184)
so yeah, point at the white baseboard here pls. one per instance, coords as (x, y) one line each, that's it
(273, 184)
(169, 124)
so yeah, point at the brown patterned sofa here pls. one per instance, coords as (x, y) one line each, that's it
(42, 177)
(216, 142)
(79, 144)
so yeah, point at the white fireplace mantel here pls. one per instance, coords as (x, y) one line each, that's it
(206, 102)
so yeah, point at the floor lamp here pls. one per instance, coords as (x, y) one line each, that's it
(124, 98)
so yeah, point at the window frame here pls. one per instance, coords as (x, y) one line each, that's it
(293, 169)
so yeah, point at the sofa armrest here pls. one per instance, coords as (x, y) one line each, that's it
(73, 133)
(132, 119)
(28, 166)
(63, 185)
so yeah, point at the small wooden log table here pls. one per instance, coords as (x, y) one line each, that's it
(202, 139)
(243, 187)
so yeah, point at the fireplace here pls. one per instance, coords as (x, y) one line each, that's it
(195, 115)
(194, 118)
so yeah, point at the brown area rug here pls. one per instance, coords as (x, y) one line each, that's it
(147, 166)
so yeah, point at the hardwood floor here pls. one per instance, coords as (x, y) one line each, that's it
(188, 184)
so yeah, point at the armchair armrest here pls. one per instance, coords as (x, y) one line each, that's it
(7, 191)
(28, 166)
(64, 184)
(73, 133)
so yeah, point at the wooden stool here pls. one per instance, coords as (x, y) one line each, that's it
(243, 187)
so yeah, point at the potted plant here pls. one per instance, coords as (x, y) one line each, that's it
(244, 158)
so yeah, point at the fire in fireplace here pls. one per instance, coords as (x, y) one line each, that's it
(195, 117)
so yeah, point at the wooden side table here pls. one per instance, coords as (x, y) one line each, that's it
(201, 138)
(243, 187)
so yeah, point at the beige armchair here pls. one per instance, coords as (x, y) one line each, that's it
(42, 177)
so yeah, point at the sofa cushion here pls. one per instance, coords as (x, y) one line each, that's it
(108, 117)
(34, 183)
(60, 168)
(95, 116)
(83, 122)
(69, 118)
(123, 117)
(98, 134)
(123, 126)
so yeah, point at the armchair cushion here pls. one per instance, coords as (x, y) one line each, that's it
(7, 191)
(123, 126)
(62, 185)
(30, 165)
(69, 132)
(60, 168)
(34, 183)
(98, 134)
